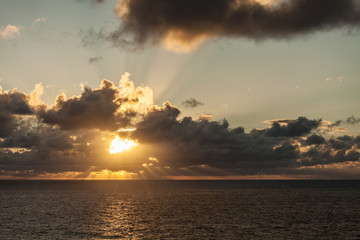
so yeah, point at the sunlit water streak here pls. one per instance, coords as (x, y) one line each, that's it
(179, 209)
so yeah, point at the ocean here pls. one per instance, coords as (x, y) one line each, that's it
(179, 210)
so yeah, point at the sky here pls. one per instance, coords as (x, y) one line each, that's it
(220, 89)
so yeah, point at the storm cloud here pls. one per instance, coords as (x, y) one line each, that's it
(182, 25)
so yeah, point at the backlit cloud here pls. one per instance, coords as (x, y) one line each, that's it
(183, 25)
(106, 108)
(73, 138)
(213, 145)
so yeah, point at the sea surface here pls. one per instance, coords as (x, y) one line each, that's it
(179, 210)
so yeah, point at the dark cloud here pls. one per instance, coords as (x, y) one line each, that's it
(184, 24)
(352, 120)
(315, 139)
(30, 135)
(292, 128)
(328, 155)
(91, 1)
(15, 102)
(11, 104)
(7, 124)
(95, 59)
(189, 143)
(191, 103)
(335, 124)
(38, 148)
(99, 108)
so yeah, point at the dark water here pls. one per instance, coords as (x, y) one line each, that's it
(179, 210)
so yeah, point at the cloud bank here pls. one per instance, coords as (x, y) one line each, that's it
(182, 25)
(72, 138)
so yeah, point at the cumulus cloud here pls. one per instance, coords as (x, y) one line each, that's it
(342, 149)
(35, 95)
(9, 32)
(191, 103)
(12, 103)
(315, 139)
(183, 25)
(73, 137)
(213, 144)
(105, 108)
(292, 128)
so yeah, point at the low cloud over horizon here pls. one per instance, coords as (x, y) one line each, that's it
(71, 140)
(184, 25)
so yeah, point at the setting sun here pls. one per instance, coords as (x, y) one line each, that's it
(119, 145)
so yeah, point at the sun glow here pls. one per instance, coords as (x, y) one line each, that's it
(120, 145)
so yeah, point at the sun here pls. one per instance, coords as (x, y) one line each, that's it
(120, 145)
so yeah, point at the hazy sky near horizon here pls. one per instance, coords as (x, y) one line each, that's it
(246, 77)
